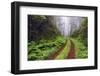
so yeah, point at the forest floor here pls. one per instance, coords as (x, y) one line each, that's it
(70, 49)
(66, 52)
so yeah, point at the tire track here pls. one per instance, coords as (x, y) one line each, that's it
(71, 54)
(55, 54)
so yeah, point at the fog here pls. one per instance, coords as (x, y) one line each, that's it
(67, 25)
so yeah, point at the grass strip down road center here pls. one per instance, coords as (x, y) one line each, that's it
(65, 51)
